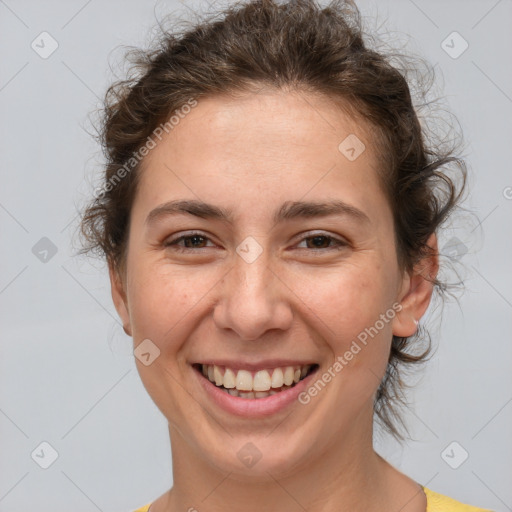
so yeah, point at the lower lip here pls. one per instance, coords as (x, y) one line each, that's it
(253, 407)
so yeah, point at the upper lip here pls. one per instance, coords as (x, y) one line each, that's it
(251, 365)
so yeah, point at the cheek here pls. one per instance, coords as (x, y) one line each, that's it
(347, 306)
(341, 302)
(347, 300)
(162, 310)
(162, 300)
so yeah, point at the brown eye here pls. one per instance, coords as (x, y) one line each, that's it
(190, 242)
(319, 242)
(323, 242)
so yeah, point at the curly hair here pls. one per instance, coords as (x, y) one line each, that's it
(297, 45)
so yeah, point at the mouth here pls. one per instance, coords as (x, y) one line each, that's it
(252, 384)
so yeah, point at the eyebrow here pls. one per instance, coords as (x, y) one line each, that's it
(288, 210)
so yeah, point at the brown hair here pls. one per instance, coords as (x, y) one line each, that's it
(296, 45)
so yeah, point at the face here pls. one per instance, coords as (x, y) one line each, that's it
(259, 290)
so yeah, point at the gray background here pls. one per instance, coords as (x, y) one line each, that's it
(67, 373)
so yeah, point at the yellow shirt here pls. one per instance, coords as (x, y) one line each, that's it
(435, 503)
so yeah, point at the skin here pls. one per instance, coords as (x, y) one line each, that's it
(252, 153)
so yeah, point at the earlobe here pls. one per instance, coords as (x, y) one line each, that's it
(417, 292)
(119, 298)
(405, 323)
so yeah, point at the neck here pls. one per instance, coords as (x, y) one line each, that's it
(347, 475)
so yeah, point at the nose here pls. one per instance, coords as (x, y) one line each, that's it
(254, 299)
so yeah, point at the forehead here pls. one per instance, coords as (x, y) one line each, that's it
(265, 122)
(273, 144)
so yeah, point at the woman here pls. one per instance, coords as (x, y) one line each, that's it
(269, 214)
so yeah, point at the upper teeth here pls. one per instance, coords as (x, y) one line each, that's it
(262, 380)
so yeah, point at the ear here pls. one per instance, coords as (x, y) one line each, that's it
(416, 292)
(119, 298)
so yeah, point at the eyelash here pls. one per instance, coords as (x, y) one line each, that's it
(340, 244)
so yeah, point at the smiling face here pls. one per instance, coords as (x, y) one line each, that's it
(264, 282)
